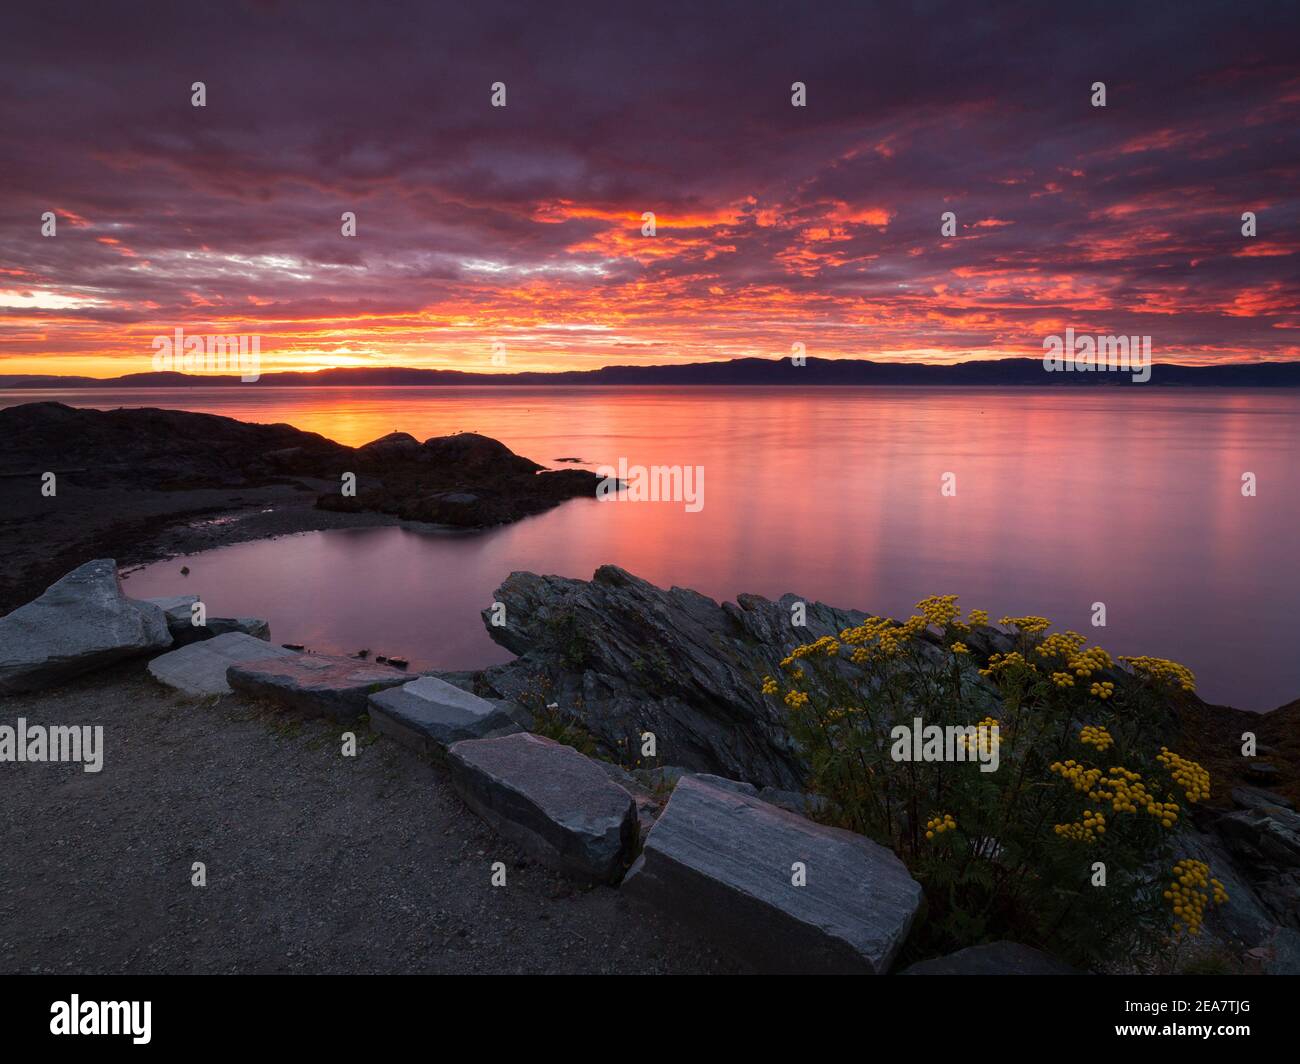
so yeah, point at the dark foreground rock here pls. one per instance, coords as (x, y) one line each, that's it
(83, 621)
(550, 800)
(199, 669)
(625, 657)
(725, 862)
(317, 684)
(430, 714)
(178, 610)
(996, 958)
(628, 657)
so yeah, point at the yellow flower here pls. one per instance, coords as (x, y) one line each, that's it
(1062, 679)
(1102, 690)
(1028, 625)
(1096, 736)
(796, 699)
(938, 824)
(939, 610)
(1190, 892)
(1164, 671)
(1193, 779)
(978, 618)
(959, 648)
(769, 685)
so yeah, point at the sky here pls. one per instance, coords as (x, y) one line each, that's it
(517, 231)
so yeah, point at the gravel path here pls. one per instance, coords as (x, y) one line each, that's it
(315, 862)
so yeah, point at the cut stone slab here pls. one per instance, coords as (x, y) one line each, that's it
(723, 861)
(550, 800)
(184, 630)
(319, 684)
(84, 621)
(995, 958)
(200, 668)
(430, 714)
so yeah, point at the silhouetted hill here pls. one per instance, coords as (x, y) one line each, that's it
(740, 371)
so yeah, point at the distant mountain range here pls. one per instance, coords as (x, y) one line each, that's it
(740, 371)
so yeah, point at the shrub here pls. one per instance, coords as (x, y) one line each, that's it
(1082, 779)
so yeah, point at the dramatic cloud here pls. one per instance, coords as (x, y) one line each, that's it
(523, 224)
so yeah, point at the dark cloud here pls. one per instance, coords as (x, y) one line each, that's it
(775, 223)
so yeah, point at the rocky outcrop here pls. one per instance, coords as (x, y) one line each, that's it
(318, 684)
(1263, 838)
(199, 669)
(175, 449)
(429, 714)
(625, 657)
(785, 893)
(82, 622)
(995, 958)
(550, 800)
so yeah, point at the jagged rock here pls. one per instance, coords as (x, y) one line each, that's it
(1265, 841)
(177, 609)
(319, 684)
(1243, 919)
(626, 657)
(1254, 798)
(550, 800)
(995, 958)
(430, 714)
(83, 621)
(200, 668)
(723, 861)
(1282, 952)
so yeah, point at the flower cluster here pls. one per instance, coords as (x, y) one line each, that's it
(939, 610)
(978, 618)
(1062, 679)
(1002, 662)
(1102, 689)
(1124, 790)
(1164, 671)
(1190, 892)
(769, 686)
(1193, 779)
(1085, 662)
(1060, 645)
(795, 699)
(938, 824)
(959, 648)
(1028, 625)
(1096, 736)
(1085, 830)
(986, 739)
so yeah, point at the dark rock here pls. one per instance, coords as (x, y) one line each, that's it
(429, 714)
(722, 861)
(319, 684)
(550, 800)
(996, 958)
(184, 630)
(626, 657)
(199, 668)
(82, 622)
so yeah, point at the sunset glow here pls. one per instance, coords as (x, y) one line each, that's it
(522, 225)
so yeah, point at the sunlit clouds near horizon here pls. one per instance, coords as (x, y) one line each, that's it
(522, 225)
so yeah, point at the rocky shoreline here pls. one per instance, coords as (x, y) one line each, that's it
(709, 825)
(144, 484)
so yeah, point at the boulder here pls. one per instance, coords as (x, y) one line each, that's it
(550, 800)
(430, 714)
(626, 657)
(82, 622)
(995, 958)
(200, 668)
(319, 684)
(184, 630)
(724, 861)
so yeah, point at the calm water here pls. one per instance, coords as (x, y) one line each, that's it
(1063, 499)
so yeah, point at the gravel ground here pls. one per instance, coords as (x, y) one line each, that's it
(315, 862)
